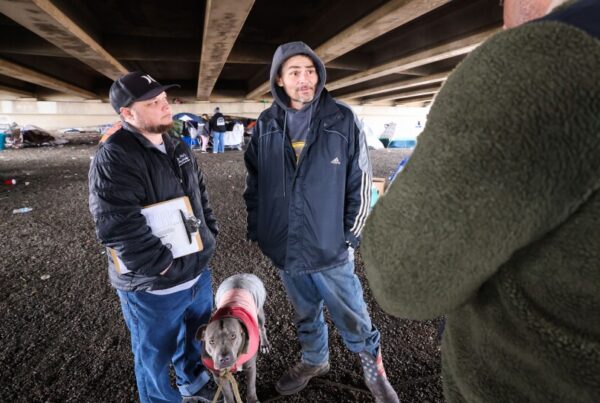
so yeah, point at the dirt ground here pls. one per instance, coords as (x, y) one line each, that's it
(63, 338)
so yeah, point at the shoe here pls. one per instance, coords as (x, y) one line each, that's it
(297, 377)
(204, 395)
(376, 379)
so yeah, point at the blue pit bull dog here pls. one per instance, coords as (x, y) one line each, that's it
(235, 333)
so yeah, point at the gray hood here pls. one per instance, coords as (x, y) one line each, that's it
(283, 53)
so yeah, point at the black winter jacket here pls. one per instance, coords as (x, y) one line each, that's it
(217, 123)
(304, 216)
(128, 173)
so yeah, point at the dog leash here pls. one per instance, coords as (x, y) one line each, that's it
(225, 375)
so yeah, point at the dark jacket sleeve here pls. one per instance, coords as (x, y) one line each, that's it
(209, 216)
(358, 186)
(251, 191)
(504, 159)
(116, 193)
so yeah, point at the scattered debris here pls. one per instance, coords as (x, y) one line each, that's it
(22, 210)
(32, 136)
(44, 276)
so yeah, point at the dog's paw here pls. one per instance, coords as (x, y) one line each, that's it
(265, 348)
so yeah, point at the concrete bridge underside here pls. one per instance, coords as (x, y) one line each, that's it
(64, 54)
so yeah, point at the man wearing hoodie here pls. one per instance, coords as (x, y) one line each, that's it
(307, 196)
(498, 225)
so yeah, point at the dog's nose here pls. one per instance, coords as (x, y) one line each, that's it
(225, 360)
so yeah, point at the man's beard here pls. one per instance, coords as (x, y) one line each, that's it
(305, 99)
(157, 129)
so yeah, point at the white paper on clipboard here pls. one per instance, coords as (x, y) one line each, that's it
(166, 222)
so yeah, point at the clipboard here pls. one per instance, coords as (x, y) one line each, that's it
(167, 221)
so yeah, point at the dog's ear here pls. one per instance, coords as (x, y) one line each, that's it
(245, 339)
(200, 332)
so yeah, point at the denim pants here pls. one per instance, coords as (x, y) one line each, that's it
(218, 142)
(341, 292)
(163, 330)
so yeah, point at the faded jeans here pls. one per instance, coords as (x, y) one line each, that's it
(341, 292)
(163, 330)
(218, 142)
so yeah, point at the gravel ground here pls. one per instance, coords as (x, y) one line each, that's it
(63, 338)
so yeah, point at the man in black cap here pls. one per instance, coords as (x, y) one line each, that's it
(164, 299)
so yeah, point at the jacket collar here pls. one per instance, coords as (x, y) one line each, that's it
(326, 108)
(170, 145)
(140, 137)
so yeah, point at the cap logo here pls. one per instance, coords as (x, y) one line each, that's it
(150, 79)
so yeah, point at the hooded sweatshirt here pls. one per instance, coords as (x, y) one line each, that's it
(297, 122)
(304, 212)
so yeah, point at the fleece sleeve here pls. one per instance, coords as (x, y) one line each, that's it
(510, 150)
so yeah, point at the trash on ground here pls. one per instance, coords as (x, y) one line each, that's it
(22, 210)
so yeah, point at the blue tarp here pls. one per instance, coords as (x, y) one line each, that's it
(402, 144)
(188, 116)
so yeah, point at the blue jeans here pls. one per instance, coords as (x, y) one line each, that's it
(218, 142)
(163, 330)
(341, 292)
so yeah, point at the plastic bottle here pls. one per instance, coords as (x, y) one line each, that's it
(9, 181)
(22, 210)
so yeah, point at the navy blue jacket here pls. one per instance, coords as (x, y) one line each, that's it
(128, 173)
(305, 214)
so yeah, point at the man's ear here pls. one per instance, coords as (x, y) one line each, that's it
(125, 113)
(279, 81)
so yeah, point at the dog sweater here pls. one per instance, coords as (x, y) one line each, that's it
(238, 303)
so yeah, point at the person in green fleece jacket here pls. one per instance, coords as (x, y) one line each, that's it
(495, 220)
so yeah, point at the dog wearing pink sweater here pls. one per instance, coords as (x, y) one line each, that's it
(235, 332)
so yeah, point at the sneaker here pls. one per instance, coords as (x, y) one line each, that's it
(297, 377)
(204, 395)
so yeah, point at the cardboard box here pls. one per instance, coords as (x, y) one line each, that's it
(379, 183)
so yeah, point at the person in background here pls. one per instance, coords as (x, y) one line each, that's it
(110, 131)
(307, 197)
(164, 300)
(204, 131)
(238, 133)
(218, 129)
(498, 225)
(192, 127)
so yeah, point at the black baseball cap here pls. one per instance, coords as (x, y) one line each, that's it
(134, 87)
